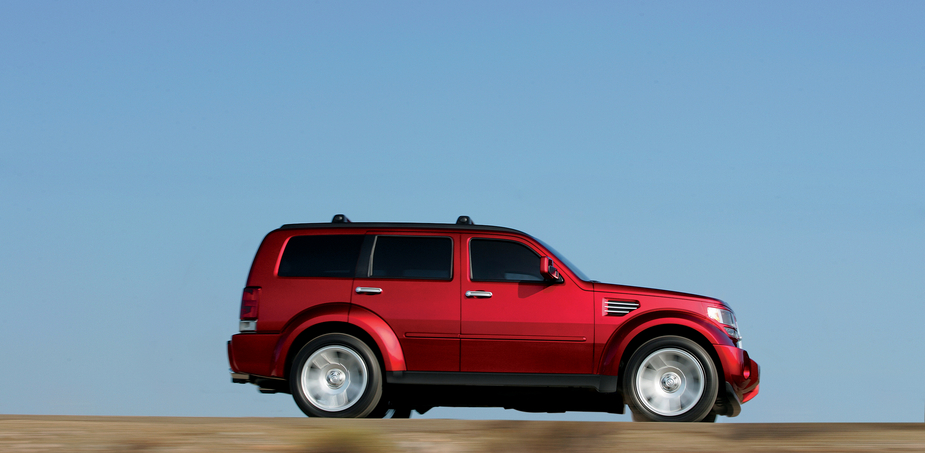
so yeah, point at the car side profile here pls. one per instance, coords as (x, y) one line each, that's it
(379, 319)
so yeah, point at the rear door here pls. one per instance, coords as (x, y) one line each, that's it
(515, 322)
(411, 280)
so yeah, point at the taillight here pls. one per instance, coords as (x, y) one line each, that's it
(250, 300)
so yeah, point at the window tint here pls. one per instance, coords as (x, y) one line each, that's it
(321, 256)
(412, 257)
(508, 261)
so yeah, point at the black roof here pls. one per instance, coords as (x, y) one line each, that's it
(402, 225)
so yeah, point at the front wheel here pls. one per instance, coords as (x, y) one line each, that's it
(336, 375)
(670, 379)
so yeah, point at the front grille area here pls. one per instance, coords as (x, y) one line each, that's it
(619, 307)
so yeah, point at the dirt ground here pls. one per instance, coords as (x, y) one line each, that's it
(20, 433)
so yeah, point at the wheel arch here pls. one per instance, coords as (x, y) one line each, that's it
(631, 336)
(669, 330)
(339, 318)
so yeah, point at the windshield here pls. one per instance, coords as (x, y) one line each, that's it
(575, 270)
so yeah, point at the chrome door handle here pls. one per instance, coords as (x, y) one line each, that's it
(368, 290)
(478, 294)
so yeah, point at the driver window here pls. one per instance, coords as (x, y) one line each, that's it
(494, 260)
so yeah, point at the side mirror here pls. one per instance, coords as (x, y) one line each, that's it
(548, 270)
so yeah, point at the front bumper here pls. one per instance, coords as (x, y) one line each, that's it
(742, 375)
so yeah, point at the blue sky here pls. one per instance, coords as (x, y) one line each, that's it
(771, 154)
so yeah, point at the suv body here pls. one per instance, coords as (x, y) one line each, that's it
(372, 319)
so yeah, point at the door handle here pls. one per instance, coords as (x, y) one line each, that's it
(368, 290)
(478, 294)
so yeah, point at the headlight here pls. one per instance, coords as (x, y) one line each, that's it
(727, 320)
(721, 316)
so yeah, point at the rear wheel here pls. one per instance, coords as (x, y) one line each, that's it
(670, 379)
(336, 375)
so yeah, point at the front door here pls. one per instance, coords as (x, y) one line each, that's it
(513, 321)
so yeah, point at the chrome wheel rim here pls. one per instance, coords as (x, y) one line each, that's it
(334, 378)
(670, 381)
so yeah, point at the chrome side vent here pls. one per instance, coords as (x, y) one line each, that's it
(619, 307)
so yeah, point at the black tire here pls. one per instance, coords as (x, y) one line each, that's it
(336, 375)
(670, 379)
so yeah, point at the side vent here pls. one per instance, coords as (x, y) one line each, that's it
(619, 307)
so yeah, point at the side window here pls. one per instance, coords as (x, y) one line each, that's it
(321, 256)
(412, 257)
(503, 261)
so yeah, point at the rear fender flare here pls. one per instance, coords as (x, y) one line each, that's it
(335, 312)
(386, 341)
(392, 356)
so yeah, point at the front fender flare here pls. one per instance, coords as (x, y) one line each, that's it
(621, 339)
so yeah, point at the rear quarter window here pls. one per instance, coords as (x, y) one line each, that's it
(321, 256)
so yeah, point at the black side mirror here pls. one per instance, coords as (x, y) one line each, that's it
(548, 270)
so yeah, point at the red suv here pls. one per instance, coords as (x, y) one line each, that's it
(378, 319)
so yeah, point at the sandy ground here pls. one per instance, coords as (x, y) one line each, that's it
(20, 433)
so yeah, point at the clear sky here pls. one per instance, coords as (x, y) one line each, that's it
(770, 154)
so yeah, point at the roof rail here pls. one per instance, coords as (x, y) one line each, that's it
(340, 218)
(464, 220)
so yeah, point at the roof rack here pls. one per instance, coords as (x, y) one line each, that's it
(462, 220)
(341, 221)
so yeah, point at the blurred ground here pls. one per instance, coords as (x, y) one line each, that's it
(177, 434)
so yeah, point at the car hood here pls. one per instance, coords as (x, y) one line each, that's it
(652, 292)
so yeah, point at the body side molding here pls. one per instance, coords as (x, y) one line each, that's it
(603, 384)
